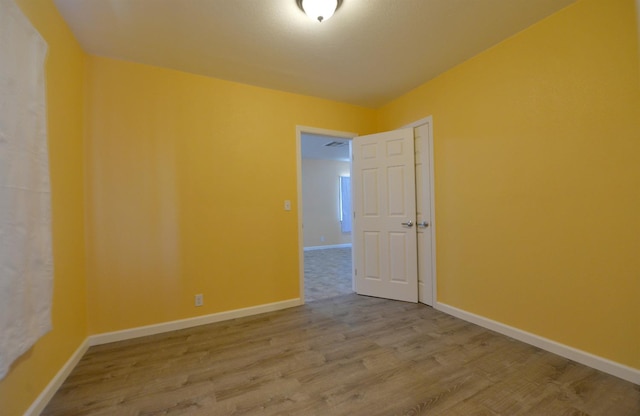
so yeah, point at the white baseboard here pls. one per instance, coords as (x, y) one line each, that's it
(599, 363)
(43, 399)
(311, 248)
(611, 367)
(142, 331)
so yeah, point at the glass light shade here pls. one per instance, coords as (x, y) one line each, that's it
(319, 10)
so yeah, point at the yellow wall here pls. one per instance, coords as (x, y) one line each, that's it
(321, 202)
(64, 77)
(537, 179)
(186, 181)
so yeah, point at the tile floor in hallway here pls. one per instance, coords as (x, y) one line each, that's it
(327, 273)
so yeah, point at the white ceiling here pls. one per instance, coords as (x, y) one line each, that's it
(314, 146)
(370, 52)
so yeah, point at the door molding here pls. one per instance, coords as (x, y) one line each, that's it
(299, 131)
(432, 221)
(350, 135)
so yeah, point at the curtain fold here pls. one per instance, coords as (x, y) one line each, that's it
(26, 261)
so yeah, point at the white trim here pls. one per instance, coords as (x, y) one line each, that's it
(142, 331)
(43, 399)
(322, 132)
(599, 363)
(432, 222)
(45, 396)
(611, 367)
(325, 132)
(312, 248)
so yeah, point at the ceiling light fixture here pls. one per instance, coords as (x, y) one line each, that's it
(319, 10)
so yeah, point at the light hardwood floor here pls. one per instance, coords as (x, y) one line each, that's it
(347, 355)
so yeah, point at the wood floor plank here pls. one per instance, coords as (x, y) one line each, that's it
(347, 355)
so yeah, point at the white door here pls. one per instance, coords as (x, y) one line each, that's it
(384, 202)
(423, 162)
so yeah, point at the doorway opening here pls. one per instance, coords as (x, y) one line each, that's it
(326, 214)
(422, 135)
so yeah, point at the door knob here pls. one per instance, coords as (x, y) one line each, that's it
(423, 224)
(408, 223)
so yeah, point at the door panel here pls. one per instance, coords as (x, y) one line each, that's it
(370, 186)
(371, 269)
(385, 250)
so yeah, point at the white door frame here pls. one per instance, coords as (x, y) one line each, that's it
(323, 132)
(350, 135)
(432, 221)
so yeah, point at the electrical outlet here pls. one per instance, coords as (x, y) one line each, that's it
(199, 300)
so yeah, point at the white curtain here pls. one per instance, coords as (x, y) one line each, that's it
(26, 263)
